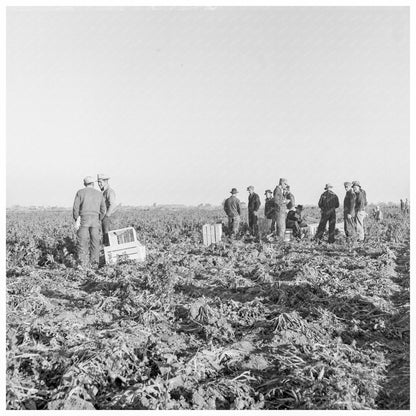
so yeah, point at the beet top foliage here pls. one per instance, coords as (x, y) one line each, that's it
(242, 326)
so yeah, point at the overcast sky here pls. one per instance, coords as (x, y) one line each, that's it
(179, 105)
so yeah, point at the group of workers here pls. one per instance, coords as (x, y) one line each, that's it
(404, 206)
(91, 211)
(94, 210)
(281, 210)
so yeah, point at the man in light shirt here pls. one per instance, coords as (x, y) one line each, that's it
(110, 203)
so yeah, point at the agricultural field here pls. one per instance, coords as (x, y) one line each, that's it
(242, 325)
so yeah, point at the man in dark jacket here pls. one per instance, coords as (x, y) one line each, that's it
(295, 222)
(328, 203)
(360, 204)
(233, 211)
(253, 207)
(280, 202)
(349, 211)
(270, 209)
(89, 205)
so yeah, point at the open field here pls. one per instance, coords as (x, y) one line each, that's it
(234, 326)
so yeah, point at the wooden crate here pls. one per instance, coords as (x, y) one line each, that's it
(122, 236)
(211, 234)
(123, 246)
(127, 251)
(288, 235)
(312, 228)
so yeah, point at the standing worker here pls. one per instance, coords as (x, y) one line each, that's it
(349, 211)
(110, 203)
(406, 206)
(233, 211)
(328, 202)
(280, 202)
(360, 204)
(378, 214)
(90, 206)
(270, 209)
(253, 208)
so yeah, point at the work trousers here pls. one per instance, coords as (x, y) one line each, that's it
(280, 224)
(359, 224)
(88, 240)
(233, 225)
(273, 225)
(107, 225)
(349, 227)
(253, 223)
(327, 216)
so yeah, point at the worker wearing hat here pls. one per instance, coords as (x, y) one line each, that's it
(89, 205)
(328, 203)
(360, 204)
(253, 208)
(295, 222)
(233, 211)
(270, 209)
(280, 202)
(349, 211)
(110, 203)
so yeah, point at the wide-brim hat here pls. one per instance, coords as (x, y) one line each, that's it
(267, 191)
(102, 177)
(299, 207)
(328, 186)
(88, 180)
(234, 191)
(356, 183)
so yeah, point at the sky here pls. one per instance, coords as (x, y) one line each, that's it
(179, 105)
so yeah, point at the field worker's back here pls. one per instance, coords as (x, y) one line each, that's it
(232, 206)
(88, 201)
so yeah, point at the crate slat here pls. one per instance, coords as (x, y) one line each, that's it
(211, 234)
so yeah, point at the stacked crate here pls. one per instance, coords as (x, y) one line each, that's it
(123, 246)
(211, 234)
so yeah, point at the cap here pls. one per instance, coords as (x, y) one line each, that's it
(102, 176)
(356, 183)
(88, 180)
(250, 188)
(282, 181)
(347, 184)
(234, 191)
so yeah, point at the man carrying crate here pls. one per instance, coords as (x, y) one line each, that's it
(89, 205)
(110, 203)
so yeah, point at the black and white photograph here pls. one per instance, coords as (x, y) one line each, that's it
(207, 207)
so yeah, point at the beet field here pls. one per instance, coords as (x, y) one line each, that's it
(242, 325)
